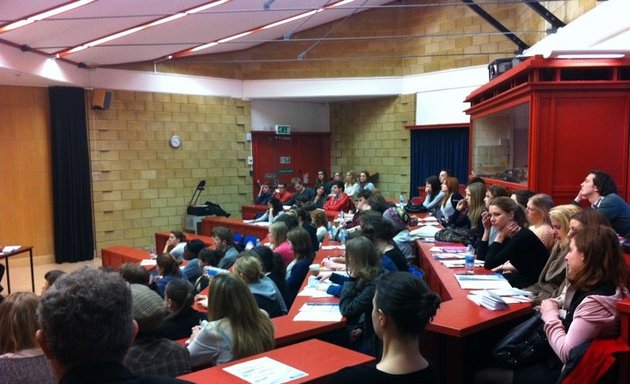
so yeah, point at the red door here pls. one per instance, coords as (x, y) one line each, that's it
(281, 158)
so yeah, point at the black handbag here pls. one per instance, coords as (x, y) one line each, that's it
(524, 345)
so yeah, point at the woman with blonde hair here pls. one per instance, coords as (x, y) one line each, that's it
(551, 279)
(351, 187)
(267, 295)
(279, 244)
(21, 359)
(235, 329)
(468, 212)
(537, 212)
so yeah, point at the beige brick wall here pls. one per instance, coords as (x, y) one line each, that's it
(428, 38)
(141, 185)
(370, 135)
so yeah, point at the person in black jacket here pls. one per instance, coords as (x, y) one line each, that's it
(178, 297)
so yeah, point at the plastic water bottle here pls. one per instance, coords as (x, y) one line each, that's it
(343, 235)
(469, 260)
(330, 231)
(402, 200)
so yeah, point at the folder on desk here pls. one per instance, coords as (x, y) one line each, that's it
(490, 281)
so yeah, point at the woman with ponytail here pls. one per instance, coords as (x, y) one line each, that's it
(402, 307)
(178, 298)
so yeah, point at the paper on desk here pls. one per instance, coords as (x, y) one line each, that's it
(460, 263)
(329, 247)
(148, 262)
(505, 292)
(508, 300)
(264, 370)
(318, 312)
(11, 248)
(313, 292)
(493, 281)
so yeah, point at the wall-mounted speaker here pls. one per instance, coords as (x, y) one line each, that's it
(101, 99)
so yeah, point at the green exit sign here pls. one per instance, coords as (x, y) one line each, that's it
(283, 129)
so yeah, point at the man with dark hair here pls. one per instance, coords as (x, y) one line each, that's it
(301, 191)
(134, 273)
(600, 191)
(86, 328)
(224, 243)
(340, 201)
(282, 194)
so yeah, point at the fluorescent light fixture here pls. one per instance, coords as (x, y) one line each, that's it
(141, 27)
(586, 54)
(44, 15)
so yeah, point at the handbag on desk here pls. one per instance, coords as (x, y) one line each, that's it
(524, 345)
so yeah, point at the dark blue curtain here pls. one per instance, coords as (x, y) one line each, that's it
(434, 149)
(72, 192)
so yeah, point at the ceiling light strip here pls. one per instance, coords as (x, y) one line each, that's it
(141, 27)
(44, 15)
(257, 29)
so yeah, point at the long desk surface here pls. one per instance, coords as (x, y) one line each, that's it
(162, 237)
(316, 358)
(457, 335)
(249, 212)
(235, 225)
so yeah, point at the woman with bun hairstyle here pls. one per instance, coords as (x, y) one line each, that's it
(402, 307)
(516, 252)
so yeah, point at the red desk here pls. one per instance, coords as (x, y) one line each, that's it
(235, 225)
(317, 358)
(162, 237)
(118, 255)
(8, 255)
(455, 337)
(249, 212)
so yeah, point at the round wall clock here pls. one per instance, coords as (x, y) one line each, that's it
(175, 141)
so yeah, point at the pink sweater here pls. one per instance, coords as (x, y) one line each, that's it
(596, 316)
(285, 251)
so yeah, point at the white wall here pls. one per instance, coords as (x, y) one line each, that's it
(301, 116)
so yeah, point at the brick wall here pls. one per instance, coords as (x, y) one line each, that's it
(370, 135)
(141, 185)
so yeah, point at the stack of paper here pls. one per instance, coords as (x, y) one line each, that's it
(11, 248)
(460, 263)
(492, 301)
(424, 231)
(319, 312)
(265, 370)
(493, 281)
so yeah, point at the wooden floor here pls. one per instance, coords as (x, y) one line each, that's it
(21, 274)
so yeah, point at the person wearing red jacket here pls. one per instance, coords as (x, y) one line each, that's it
(282, 194)
(340, 201)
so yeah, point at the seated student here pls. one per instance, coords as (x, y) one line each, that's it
(403, 306)
(381, 232)
(304, 221)
(267, 295)
(134, 273)
(468, 212)
(601, 192)
(298, 268)
(82, 348)
(264, 194)
(434, 192)
(151, 354)
(596, 275)
(552, 277)
(339, 201)
(492, 192)
(321, 224)
(521, 196)
(167, 268)
(21, 359)
(235, 328)
(451, 197)
(400, 222)
(322, 180)
(50, 277)
(182, 317)
(282, 194)
(274, 268)
(301, 190)
(318, 201)
(351, 187)
(444, 174)
(278, 241)
(537, 211)
(224, 243)
(207, 257)
(514, 243)
(274, 209)
(364, 182)
(175, 245)
(356, 293)
(192, 271)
